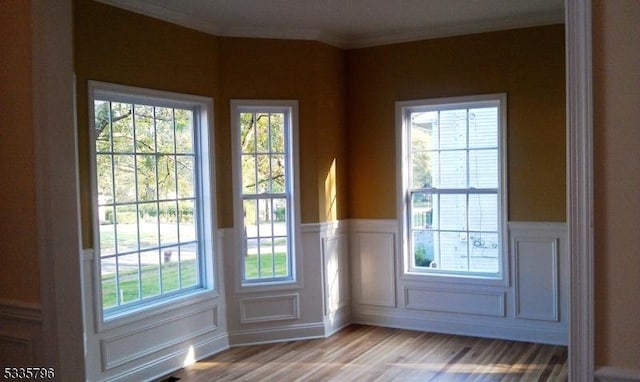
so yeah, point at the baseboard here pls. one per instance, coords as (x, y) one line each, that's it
(276, 334)
(506, 330)
(172, 362)
(337, 320)
(616, 374)
(20, 333)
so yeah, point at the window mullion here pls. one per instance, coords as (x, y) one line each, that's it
(135, 182)
(159, 230)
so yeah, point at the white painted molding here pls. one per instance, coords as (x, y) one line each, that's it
(266, 335)
(265, 309)
(580, 189)
(56, 172)
(616, 374)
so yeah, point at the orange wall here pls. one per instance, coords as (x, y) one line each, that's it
(616, 68)
(527, 64)
(114, 45)
(313, 74)
(18, 235)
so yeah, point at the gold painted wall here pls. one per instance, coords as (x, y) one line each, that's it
(309, 72)
(114, 45)
(616, 69)
(18, 216)
(527, 64)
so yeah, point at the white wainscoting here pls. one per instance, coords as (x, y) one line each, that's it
(315, 306)
(144, 346)
(530, 306)
(20, 334)
(336, 275)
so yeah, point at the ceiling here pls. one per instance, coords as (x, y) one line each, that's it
(349, 23)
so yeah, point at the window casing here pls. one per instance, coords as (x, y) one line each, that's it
(265, 181)
(453, 186)
(152, 196)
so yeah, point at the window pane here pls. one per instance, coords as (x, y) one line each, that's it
(453, 169)
(483, 127)
(453, 251)
(248, 174)
(484, 249)
(421, 210)
(277, 133)
(483, 212)
(108, 283)
(164, 130)
(453, 212)
(262, 132)
(128, 281)
(187, 225)
(150, 273)
(247, 133)
(453, 129)
(102, 126)
(250, 217)
(422, 168)
(483, 168)
(148, 225)
(264, 174)
(188, 265)
(127, 228)
(146, 176)
(105, 178)
(423, 248)
(184, 131)
(278, 173)
(264, 216)
(267, 263)
(145, 129)
(107, 232)
(124, 177)
(166, 177)
(424, 131)
(280, 217)
(168, 223)
(170, 269)
(122, 127)
(185, 176)
(281, 257)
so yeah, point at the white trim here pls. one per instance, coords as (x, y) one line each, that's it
(580, 189)
(57, 195)
(336, 39)
(276, 334)
(293, 314)
(402, 152)
(471, 325)
(617, 374)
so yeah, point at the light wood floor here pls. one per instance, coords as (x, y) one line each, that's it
(367, 353)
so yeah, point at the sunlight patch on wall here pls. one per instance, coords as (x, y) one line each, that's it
(330, 193)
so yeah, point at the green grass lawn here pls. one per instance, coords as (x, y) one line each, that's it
(267, 266)
(150, 278)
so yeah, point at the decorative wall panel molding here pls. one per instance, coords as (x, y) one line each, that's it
(480, 303)
(20, 334)
(270, 308)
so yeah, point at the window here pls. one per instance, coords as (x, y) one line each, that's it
(264, 133)
(453, 186)
(152, 219)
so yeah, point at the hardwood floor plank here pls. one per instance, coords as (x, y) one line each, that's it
(368, 353)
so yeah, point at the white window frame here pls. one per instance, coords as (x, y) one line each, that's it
(205, 195)
(407, 272)
(290, 108)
